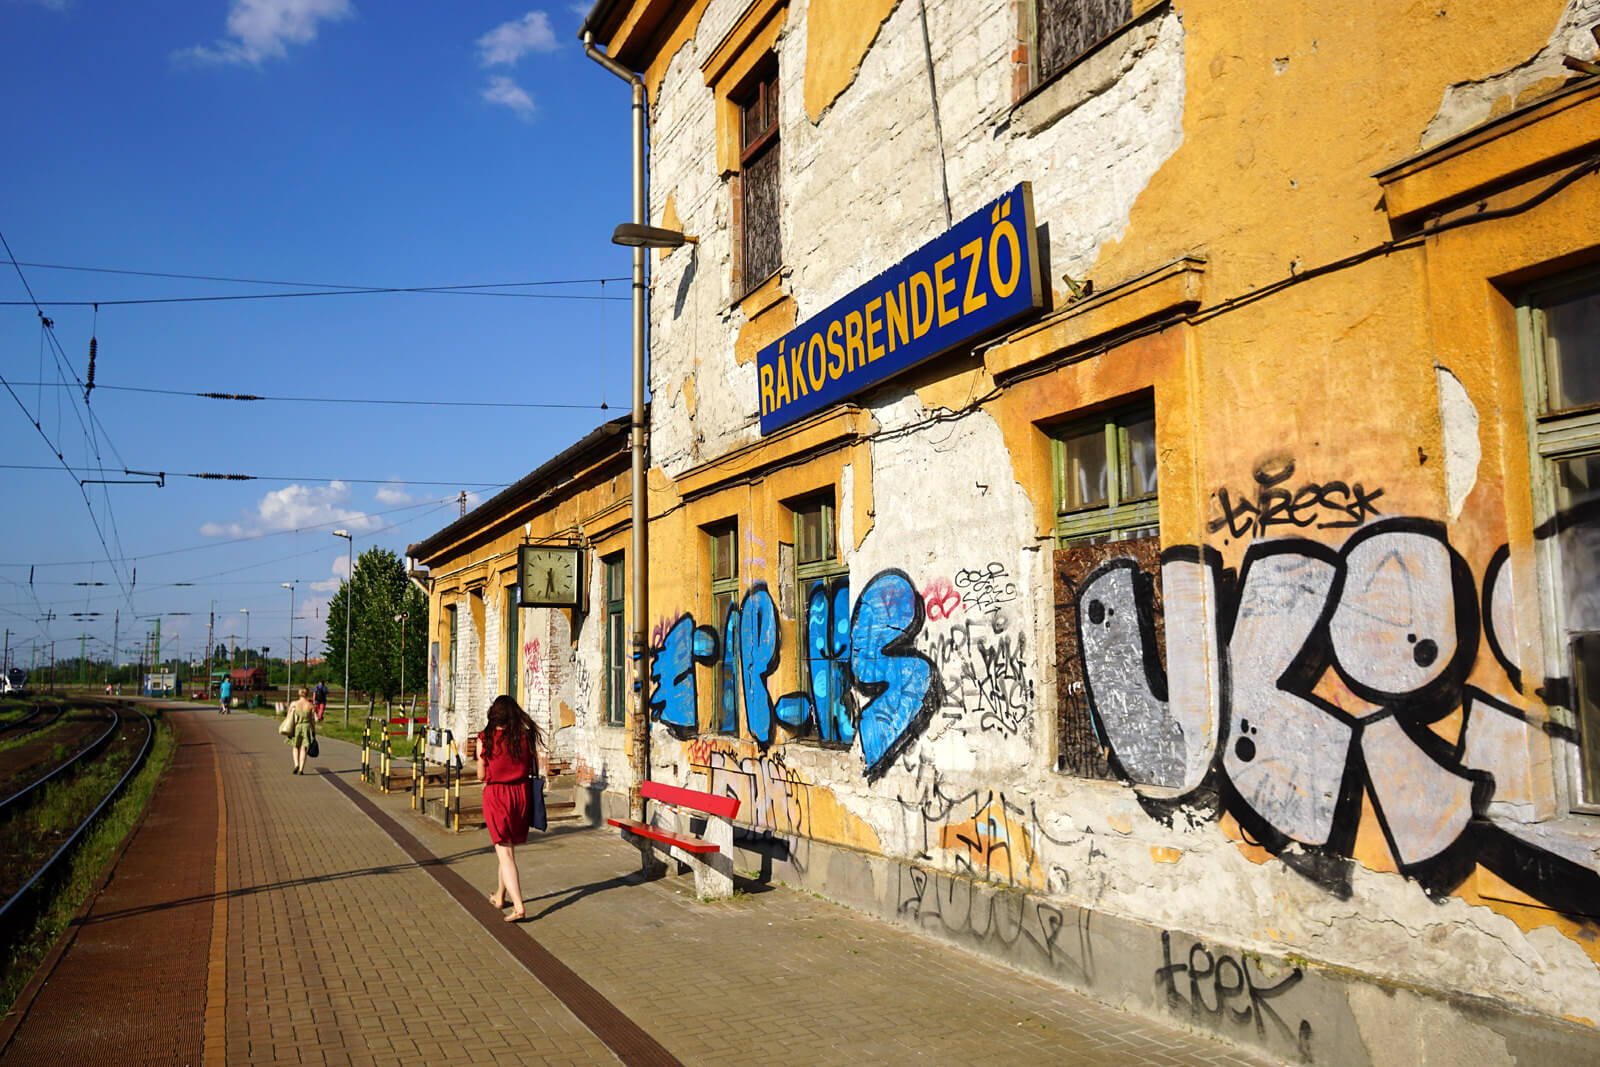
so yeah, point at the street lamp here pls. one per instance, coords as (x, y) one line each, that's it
(349, 606)
(401, 619)
(246, 613)
(288, 688)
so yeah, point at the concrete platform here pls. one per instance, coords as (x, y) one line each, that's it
(263, 917)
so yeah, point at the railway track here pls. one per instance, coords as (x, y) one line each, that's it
(38, 718)
(35, 843)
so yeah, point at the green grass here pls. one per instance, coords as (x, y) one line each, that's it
(31, 736)
(86, 865)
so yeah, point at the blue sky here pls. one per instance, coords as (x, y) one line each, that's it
(336, 142)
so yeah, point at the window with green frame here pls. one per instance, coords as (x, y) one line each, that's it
(513, 656)
(450, 627)
(1105, 477)
(819, 570)
(616, 643)
(1561, 343)
(724, 544)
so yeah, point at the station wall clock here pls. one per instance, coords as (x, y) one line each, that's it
(550, 576)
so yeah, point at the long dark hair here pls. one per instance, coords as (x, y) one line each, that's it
(516, 727)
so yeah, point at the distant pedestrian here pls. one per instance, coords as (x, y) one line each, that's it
(508, 751)
(320, 699)
(226, 692)
(302, 728)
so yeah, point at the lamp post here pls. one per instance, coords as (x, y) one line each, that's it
(349, 606)
(246, 613)
(639, 236)
(288, 688)
(401, 619)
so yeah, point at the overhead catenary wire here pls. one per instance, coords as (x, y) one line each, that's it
(381, 401)
(220, 297)
(61, 358)
(279, 477)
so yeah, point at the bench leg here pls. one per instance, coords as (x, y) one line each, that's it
(713, 872)
(650, 865)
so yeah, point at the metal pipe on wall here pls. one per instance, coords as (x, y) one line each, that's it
(639, 757)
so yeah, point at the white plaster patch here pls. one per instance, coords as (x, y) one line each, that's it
(1466, 104)
(1462, 452)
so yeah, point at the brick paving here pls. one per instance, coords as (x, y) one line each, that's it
(343, 948)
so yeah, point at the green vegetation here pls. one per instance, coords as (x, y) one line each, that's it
(381, 592)
(91, 857)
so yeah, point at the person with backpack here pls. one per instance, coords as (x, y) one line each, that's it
(320, 699)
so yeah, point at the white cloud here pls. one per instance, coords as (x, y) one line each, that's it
(473, 499)
(260, 29)
(296, 508)
(340, 569)
(502, 90)
(393, 494)
(510, 41)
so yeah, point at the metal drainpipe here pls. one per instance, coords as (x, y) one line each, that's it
(639, 758)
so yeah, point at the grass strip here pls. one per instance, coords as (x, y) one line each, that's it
(85, 868)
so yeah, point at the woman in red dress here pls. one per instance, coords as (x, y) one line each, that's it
(508, 751)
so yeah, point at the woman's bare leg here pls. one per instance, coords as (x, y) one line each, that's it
(510, 882)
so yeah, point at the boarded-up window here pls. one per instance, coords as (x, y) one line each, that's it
(759, 162)
(1069, 28)
(1082, 749)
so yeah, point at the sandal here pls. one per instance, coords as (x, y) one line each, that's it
(516, 916)
(497, 900)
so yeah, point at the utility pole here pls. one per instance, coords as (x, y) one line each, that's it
(211, 624)
(82, 637)
(52, 668)
(116, 627)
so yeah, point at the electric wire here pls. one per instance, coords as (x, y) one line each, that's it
(279, 477)
(315, 285)
(222, 297)
(49, 329)
(350, 400)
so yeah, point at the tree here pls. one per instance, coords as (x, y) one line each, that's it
(221, 654)
(379, 590)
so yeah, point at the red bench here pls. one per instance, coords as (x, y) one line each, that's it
(709, 856)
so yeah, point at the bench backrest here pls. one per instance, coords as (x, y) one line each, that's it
(710, 803)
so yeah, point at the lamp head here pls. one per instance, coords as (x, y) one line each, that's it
(342, 533)
(638, 235)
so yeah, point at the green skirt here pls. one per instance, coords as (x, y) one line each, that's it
(301, 735)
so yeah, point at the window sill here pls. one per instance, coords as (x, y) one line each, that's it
(1523, 144)
(1178, 287)
(1092, 73)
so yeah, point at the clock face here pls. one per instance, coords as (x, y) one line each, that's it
(549, 576)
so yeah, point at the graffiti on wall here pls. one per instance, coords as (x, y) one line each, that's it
(865, 676)
(1308, 687)
(1235, 989)
(1326, 506)
(979, 652)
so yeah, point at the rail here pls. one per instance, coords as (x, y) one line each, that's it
(7, 915)
(92, 747)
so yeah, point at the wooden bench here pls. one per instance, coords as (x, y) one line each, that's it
(709, 856)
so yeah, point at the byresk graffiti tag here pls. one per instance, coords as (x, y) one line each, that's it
(1393, 614)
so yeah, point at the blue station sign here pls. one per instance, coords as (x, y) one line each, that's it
(974, 278)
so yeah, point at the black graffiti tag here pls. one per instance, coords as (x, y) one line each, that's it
(1327, 506)
(1230, 979)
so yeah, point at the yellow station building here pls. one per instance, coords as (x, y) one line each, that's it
(1123, 495)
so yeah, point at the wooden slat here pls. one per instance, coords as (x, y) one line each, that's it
(688, 844)
(711, 804)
